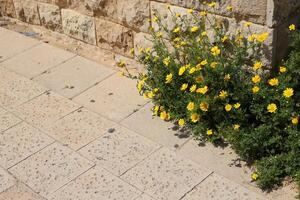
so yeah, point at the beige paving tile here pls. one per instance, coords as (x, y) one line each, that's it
(6, 180)
(45, 109)
(3, 31)
(50, 168)
(74, 76)
(115, 98)
(155, 129)
(119, 151)
(79, 128)
(165, 175)
(13, 43)
(19, 142)
(20, 192)
(36, 60)
(97, 184)
(15, 89)
(7, 120)
(216, 187)
(144, 197)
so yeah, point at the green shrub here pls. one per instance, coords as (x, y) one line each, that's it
(214, 83)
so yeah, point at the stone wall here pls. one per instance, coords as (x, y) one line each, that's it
(119, 25)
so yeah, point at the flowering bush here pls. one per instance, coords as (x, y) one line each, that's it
(201, 77)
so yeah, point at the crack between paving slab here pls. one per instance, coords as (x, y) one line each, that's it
(196, 185)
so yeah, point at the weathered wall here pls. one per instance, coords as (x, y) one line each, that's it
(119, 25)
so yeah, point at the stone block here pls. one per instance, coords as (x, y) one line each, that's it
(50, 16)
(7, 8)
(78, 26)
(114, 37)
(31, 13)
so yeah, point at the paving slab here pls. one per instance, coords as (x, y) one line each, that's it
(36, 60)
(74, 76)
(3, 31)
(45, 109)
(79, 128)
(20, 142)
(144, 197)
(96, 184)
(216, 187)
(115, 98)
(6, 180)
(165, 175)
(155, 129)
(13, 43)
(51, 168)
(7, 120)
(15, 89)
(119, 151)
(20, 192)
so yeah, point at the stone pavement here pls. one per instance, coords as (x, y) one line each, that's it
(71, 129)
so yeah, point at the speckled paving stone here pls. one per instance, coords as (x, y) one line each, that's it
(13, 43)
(20, 192)
(119, 151)
(45, 109)
(74, 76)
(116, 97)
(20, 142)
(144, 197)
(165, 175)
(216, 187)
(6, 180)
(50, 168)
(79, 128)
(15, 89)
(36, 60)
(155, 129)
(7, 120)
(97, 184)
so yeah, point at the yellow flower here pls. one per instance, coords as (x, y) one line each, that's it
(190, 11)
(295, 120)
(195, 117)
(255, 89)
(203, 62)
(202, 90)
(132, 51)
(282, 69)
(228, 107)
(167, 61)
(194, 29)
(192, 70)
(183, 43)
(209, 132)
(237, 105)
(181, 122)
(257, 65)
(204, 106)
(176, 30)
(169, 78)
(254, 176)
(204, 33)
(215, 51)
(155, 109)
(177, 39)
(184, 87)
(292, 27)
(213, 65)
(262, 37)
(140, 85)
(193, 88)
(181, 70)
(252, 37)
(155, 19)
(212, 4)
(256, 79)
(247, 24)
(236, 126)
(190, 106)
(273, 82)
(225, 38)
(178, 15)
(227, 77)
(272, 108)
(229, 8)
(199, 79)
(223, 94)
(288, 92)
(203, 13)
(164, 115)
(121, 64)
(159, 34)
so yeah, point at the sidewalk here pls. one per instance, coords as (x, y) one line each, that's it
(72, 129)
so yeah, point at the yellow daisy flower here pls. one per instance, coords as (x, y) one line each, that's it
(256, 79)
(236, 126)
(228, 107)
(257, 65)
(169, 78)
(195, 117)
(282, 69)
(184, 86)
(190, 106)
(181, 122)
(209, 132)
(292, 27)
(181, 70)
(273, 82)
(193, 88)
(215, 51)
(223, 94)
(204, 106)
(295, 120)
(194, 29)
(255, 89)
(288, 92)
(237, 105)
(202, 90)
(272, 108)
